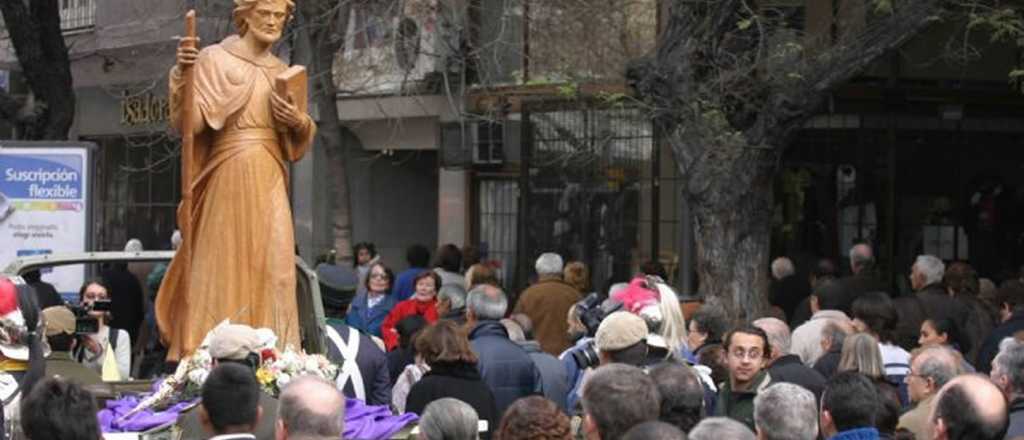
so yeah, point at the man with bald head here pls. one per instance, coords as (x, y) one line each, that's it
(930, 368)
(311, 408)
(969, 407)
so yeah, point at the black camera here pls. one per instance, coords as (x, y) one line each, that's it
(586, 357)
(592, 310)
(85, 324)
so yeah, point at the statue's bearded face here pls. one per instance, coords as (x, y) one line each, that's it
(266, 20)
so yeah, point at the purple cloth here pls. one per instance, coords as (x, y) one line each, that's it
(362, 421)
(142, 421)
(366, 422)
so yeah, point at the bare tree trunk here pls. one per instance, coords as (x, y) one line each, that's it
(731, 203)
(323, 26)
(34, 28)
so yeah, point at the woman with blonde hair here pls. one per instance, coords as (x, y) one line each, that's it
(861, 354)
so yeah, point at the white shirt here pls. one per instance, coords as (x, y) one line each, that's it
(234, 436)
(123, 353)
(10, 389)
(895, 359)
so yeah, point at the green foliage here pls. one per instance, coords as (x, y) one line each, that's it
(1005, 24)
(883, 7)
(612, 99)
(569, 90)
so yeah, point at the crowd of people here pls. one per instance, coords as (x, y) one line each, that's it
(837, 357)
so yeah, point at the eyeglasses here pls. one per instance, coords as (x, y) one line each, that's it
(913, 374)
(378, 276)
(752, 354)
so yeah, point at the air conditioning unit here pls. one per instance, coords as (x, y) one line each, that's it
(391, 46)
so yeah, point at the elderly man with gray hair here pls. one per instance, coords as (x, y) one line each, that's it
(449, 419)
(720, 428)
(311, 409)
(1008, 374)
(547, 302)
(787, 290)
(786, 412)
(931, 367)
(926, 279)
(617, 397)
(451, 303)
(504, 366)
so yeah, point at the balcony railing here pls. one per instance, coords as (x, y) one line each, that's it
(77, 14)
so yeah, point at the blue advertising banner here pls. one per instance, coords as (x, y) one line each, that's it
(43, 207)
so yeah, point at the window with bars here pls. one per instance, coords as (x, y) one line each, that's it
(137, 187)
(490, 143)
(77, 14)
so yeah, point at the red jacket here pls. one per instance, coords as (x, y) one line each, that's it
(404, 309)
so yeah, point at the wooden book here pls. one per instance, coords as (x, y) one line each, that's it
(293, 82)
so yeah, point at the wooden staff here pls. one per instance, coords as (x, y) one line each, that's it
(187, 134)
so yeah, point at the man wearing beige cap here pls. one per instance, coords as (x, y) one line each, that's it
(621, 338)
(60, 334)
(238, 344)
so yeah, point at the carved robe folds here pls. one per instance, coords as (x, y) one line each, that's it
(242, 264)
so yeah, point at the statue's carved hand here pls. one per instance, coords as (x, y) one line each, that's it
(285, 112)
(188, 52)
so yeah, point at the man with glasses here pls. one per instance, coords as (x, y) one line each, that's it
(930, 368)
(747, 352)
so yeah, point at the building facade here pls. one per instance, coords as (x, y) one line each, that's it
(467, 126)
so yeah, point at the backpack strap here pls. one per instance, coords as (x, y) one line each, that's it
(112, 338)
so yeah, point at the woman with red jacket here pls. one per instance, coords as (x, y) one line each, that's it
(423, 303)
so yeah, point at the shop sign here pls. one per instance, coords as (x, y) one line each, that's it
(144, 109)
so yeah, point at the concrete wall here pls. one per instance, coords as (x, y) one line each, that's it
(394, 202)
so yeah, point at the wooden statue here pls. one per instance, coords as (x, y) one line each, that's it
(237, 259)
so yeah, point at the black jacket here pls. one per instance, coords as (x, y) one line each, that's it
(790, 369)
(852, 287)
(46, 294)
(938, 304)
(504, 366)
(372, 363)
(788, 292)
(990, 348)
(126, 300)
(828, 364)
(979, 323)
(1016, 412)
(911, 312)
(461, 381)
(398, 359)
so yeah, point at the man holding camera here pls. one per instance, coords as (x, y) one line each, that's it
(621, 338)
(60, 334)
